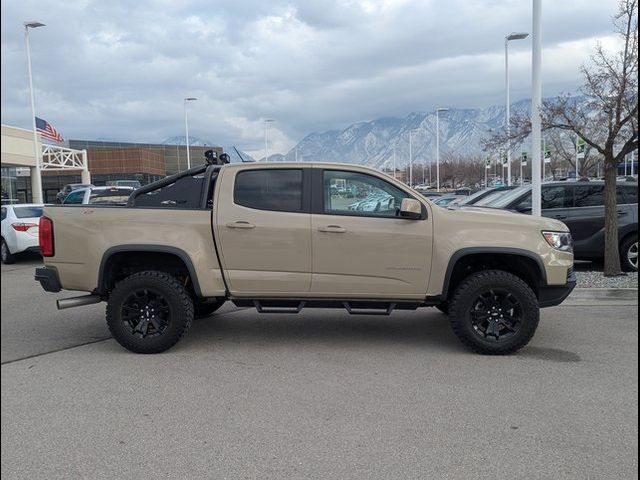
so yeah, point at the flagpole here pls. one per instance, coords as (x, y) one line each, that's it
(36, 178)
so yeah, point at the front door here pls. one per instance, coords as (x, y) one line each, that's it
(263, 231)
(361, 247)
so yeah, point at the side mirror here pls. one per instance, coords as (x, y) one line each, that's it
(411, 209)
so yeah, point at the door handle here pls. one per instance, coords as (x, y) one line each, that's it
(560, 217)
(622, 212)
(332, 229)
(241, 224)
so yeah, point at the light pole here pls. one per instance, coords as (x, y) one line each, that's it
(411, 157)
(438, 110)
(36, 177)
(186, 128)
(267, 122)
(536, 103)
(507, 39)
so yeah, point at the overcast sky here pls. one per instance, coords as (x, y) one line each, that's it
(119, 69)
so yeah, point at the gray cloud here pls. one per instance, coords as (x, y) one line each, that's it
(120, 69)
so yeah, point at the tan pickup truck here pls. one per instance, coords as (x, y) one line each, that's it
(286, 236)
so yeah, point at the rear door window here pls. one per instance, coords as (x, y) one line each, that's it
(589, 196)
(278, 189)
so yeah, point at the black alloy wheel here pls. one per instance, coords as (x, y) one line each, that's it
(496, 315)
(145, 313)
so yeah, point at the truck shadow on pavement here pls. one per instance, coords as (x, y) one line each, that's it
(424, 327)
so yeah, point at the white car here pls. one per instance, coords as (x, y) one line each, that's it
(19, 230)
(99, 196)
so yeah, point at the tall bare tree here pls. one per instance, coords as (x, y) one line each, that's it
(606, 118)
(609, 123)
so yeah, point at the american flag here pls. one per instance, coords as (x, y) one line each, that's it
(47, 131)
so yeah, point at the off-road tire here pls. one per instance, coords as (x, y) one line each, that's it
(628, 248)
(466, 296)
(7, 257)
(164, 287)
(204, 309)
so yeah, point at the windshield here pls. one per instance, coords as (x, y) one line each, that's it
(472, 198)
(27, 212)
(505, 199)
(492, 197)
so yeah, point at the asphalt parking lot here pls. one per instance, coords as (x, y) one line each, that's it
(316, 395)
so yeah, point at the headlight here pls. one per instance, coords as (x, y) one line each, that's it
(559, 240)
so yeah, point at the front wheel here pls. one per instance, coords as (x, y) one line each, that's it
(494, 312)
(629, 254)
(148, 312)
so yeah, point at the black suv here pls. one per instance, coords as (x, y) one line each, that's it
(580, 205)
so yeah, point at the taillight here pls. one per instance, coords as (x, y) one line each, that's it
(45, 237)
(23, 227)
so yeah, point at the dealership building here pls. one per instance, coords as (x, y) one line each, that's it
(83, 161)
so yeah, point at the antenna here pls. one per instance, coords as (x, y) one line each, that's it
(241, 157)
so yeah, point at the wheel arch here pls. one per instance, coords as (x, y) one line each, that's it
(627, 232)
(522, 263)
(145, 256)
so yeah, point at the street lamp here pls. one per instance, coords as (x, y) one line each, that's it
(507, 39)
(267, 122)
(438, 110)
(186, 127)
(411, 156)
(36, 178)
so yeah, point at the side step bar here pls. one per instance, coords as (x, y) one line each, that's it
(353, 307)
(267, 309)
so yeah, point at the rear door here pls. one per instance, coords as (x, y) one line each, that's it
(587, 219)
(263, 230)
(361, 247)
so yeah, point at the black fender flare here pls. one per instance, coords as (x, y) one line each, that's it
(181, 254)
(464, 252)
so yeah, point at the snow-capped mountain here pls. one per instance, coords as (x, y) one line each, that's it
(374, 143)
(193, 141)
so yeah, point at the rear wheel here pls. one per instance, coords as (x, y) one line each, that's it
(148, 312)
(7, 256)
(494, 312)
(629, 254)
